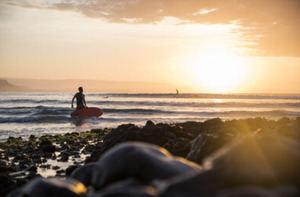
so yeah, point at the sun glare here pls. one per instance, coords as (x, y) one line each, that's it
(217, 71)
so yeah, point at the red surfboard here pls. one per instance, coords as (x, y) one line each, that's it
(87, 112)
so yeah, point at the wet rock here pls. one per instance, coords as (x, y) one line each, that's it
(125, 161)
(47, 166)
(84, 174)
(76, 155)
(264, 161)
(60, 173)
(206, 144)
(173, 138)
(51, 187)
(192, 128)
(11, 140)
(229, 170)
(32, 169)
(256, 191)
(89, 148)
(70, 169)
(36, 158)
(213, 123)
(149, 123)
(6, 182)
(31, 176)
(128, 188)
(24, 162)
(20, 181)
(55, 167)
(32, 138)
(47, 146)
(64, 156)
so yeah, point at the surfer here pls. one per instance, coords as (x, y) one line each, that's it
(80, 99)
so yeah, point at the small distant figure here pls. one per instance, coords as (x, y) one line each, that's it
(177, 92)
(80, 99)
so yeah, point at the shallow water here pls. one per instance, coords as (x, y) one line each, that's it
(23, 114)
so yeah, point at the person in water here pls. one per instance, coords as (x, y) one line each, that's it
(80, 99)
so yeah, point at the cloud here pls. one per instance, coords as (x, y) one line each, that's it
(273, 24)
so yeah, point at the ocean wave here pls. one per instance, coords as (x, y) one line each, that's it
(33, 101)
(208, 96)
(36, 119)
(156, 102)
(199, 104)
(273, 113)
(37, 110)
(143, 114)
(134, 111)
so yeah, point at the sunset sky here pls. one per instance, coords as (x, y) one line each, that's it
(212, 46)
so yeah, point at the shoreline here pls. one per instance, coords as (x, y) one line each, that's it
(59, 155)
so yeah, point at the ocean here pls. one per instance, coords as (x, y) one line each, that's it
(25, 114)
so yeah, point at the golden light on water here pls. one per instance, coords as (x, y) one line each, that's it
(217, 70)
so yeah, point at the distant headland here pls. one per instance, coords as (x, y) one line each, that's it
(6, 86)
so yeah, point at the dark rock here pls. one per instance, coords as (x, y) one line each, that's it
(32, 138)
(127, 127)
(126, 160)
(32, 169)
(47, 146)
(60, 173)
(31, 176)
(173, 138)
(149, 123)
(11, 140)
(192, 128)
(206, 144)
(36, 158)
(263, 160)
(84, 174)
(20, 181)
(129, 188)
(55, 167)
(6, 181)
(64, 156)
(52, 187)
(213, 123)
(256, 191)
(70, 169)
(47, 166)
(89, 148)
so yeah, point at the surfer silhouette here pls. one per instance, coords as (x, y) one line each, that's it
(80, 99)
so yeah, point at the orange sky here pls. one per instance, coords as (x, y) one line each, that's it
(210, 46)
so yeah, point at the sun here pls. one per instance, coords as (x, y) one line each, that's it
(217, 71)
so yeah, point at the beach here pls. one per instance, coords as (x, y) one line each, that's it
(22, 160)
(137, 98)
(40, 141)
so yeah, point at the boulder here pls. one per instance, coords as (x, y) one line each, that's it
(50, 188)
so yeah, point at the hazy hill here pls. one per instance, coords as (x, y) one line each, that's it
(93, 86)
(6, 86)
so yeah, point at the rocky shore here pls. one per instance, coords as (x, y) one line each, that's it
(255, 157)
